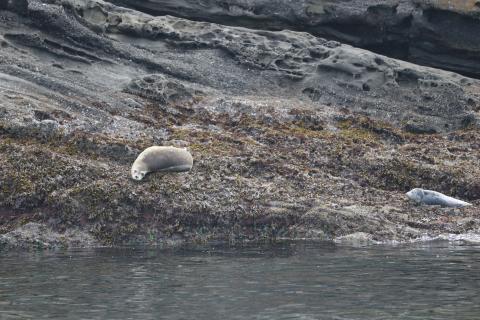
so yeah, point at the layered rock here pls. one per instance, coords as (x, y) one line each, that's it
(438, 33)
(292, 135)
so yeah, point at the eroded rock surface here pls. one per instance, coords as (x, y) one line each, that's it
(439, 33)
(292, 135)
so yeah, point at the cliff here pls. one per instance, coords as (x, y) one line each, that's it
(293, 135)
(438, 33)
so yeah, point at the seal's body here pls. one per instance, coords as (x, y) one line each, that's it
(166, 159)
(430, 197)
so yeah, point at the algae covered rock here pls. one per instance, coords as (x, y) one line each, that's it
(293, 135)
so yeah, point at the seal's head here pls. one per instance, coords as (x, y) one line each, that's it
(137, 174)
(415, 194)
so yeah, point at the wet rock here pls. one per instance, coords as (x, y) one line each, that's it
(39, 236)
(357, 239)
(19, 6)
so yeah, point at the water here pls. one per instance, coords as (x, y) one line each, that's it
(437, 280)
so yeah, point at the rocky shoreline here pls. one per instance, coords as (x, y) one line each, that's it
(293, 135)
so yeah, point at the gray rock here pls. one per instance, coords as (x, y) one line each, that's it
(294, 136)
(415, 30)
(39, 236)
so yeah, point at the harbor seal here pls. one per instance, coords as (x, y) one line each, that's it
(430, 197)
(165, 159)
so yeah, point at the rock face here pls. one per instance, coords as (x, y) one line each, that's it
(293, 135)
(438, 33)
(38, 236)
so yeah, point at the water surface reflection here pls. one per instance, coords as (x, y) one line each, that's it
(295, 280)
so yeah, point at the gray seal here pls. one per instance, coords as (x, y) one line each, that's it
(165, 159)
(430, 197)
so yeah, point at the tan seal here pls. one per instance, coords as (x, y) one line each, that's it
(165, 159)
